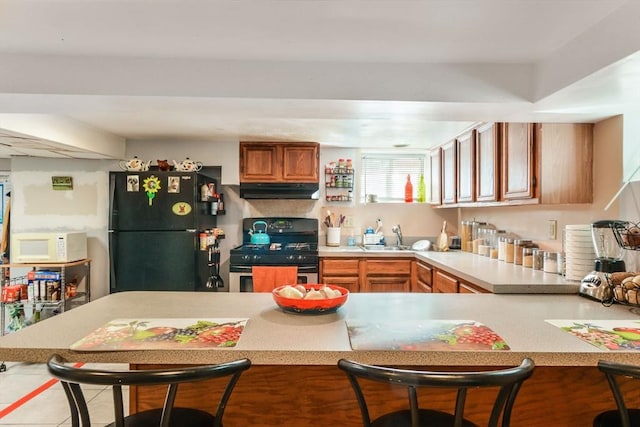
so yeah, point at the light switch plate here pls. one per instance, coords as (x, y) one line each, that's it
(348, 221)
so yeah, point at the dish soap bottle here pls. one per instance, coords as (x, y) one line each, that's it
(421, 190)
(408, 190)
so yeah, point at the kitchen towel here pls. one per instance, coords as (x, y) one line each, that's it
(265, 279)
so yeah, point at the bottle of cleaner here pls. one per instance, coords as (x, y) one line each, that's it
(408, 190)
(421, 190)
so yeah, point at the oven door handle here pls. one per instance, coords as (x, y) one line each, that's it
(247, 268)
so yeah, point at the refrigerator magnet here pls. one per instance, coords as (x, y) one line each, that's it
(181, 208)
(133, 183)
(151, 186)
(173, 184)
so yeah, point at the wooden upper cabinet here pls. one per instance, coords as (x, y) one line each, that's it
(279, 162)
(258, 162)
(518, 162)
(449, 186)
(487, 162)
(565, 168)
(465, 167)
(435, 172)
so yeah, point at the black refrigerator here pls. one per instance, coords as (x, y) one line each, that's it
(154, 225)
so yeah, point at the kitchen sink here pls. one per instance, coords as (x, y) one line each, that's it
(380, 248)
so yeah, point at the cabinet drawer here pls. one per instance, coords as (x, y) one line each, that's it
(340, 267)
(443, 283)
(387, 266)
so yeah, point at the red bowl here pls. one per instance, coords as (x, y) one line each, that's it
(311, 306)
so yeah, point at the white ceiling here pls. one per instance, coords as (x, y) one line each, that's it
(344, 73)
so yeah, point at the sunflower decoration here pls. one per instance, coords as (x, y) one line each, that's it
(151, 186)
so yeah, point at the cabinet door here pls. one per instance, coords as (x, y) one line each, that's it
(449, 172)
(259, 163)
(466, 288)
(465, 159)
(444, 284)
(565, 151)
(487, 166)
(423, 278)
(518, 180)
(435, 169)
(300, 163)
(387, 284)
(387, 275)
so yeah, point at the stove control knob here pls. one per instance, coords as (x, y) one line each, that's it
(246, 257)
(291, 258)
(256, 257)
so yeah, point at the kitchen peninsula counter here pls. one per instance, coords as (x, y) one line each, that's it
(492, 275)
(294, 356)
(274, 337)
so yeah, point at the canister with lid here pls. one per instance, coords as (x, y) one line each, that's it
(527, 256)
(538, 259)
(476, 226)
(465, 236)
(550, 264)
(518, 245)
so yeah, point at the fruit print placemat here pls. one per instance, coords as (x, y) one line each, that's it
(613, 335)
(162, 334)
(423, 335)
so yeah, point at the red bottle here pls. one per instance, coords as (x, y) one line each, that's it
(408, 190)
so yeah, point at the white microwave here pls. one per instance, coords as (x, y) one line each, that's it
(48, 247)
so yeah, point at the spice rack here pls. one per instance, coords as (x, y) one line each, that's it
(339, 181)
(74, 288)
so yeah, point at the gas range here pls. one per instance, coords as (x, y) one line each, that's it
(293, 241)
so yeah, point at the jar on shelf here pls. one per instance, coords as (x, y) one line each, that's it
(550, 263)
(538, 259)
(527, 257)
(475, 241)
(508, 250)
(465, 236)
(494, 241)
(518, 245)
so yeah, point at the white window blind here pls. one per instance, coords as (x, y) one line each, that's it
(385, 175)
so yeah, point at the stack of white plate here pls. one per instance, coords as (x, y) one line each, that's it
(579, 252)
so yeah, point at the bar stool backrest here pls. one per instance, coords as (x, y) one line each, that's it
(623, 417)
(72, 377)
(508, 382)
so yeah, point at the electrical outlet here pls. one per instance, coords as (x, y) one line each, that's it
(552, 229)
(348, 221)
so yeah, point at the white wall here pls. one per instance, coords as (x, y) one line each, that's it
(35, 206)
(225, 154)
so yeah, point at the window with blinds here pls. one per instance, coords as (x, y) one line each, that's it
(385, 175)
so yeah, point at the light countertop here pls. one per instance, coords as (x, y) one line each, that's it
(495, 276)
(273, 337)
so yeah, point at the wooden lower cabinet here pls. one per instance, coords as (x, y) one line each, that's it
(444, 284)
(343, 272)
(391, 275)
(468, 288)
(318, 395)
(387, 275)
(423, 279)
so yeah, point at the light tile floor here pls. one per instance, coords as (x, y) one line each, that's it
(49, 408)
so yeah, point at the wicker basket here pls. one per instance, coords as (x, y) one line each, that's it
(627, 234)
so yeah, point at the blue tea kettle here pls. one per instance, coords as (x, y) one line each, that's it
(259, 237)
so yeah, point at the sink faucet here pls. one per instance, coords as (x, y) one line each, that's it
(396, 229)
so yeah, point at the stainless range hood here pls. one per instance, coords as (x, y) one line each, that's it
(279, 190)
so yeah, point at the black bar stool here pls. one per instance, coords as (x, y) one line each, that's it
(508, 380)
(167, 416)
(623, 417)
